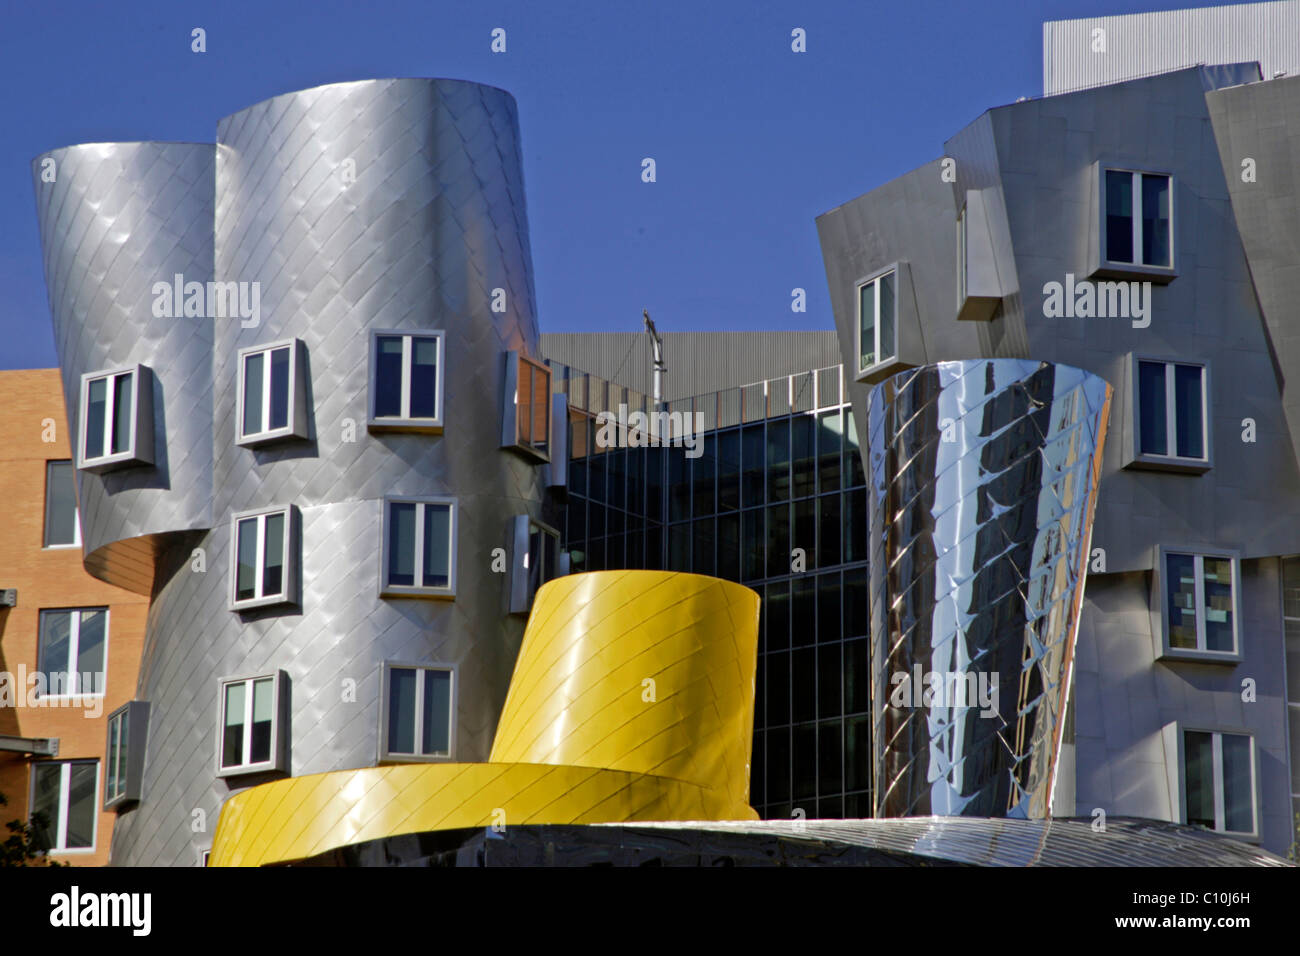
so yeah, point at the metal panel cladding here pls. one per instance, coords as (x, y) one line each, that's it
(983, 481)
(116, 219)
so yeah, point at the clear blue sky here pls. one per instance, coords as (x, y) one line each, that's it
(751, 140)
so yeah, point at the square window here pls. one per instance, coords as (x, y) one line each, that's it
(418, 712)
(1136, 222)
(116, 421)
(263, 558)
(877, 321)
(62, 521)
(271, 393)
(406, 381)
(249, 724)
(526, 419)
(1218, 777)
(1199, 598)
(1170, 427)
(63, 804)
(71, 652)
(418, 548)
(124, 754)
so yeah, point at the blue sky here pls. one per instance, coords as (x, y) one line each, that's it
(751, 141)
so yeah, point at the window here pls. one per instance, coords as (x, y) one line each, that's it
(961, 257)
(1219, 781)
(63, 803)
(263, 558)
(116, 419)
(71, 652)
(124, 753)
(418, 711)
(406, 380)
(272, 396)
(536, 548)
(1200, 602)
(877, 312)
(526, 424)
(1138, 218)
(62, 527)
(1171, 409)
(419, 547)
(251, 736)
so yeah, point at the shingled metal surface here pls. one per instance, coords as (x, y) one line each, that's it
(983, 480)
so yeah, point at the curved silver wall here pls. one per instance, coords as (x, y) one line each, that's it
(383, 204)
(983, 480)
(117, 218)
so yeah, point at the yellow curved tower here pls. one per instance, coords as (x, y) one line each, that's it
(632, 700)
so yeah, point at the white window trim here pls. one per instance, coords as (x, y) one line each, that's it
(288, 580)
(74, 649)
(891, 359)
(115, 720)
(130, 756)
(522, 528)
(1134, 455)
(135, 451)
(1199, 653)
(266, 433)
(416, 590)
(1220, 812)
(76, 509)
(387, 756)
(275, 762)
(406, 421)
(60, 837)
(1171, 411)
(1136, 216)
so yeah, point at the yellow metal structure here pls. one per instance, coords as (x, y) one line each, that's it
(632, 700)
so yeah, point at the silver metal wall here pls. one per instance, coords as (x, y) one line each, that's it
(430, 224)
(982, 479)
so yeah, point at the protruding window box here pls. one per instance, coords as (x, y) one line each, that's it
(272, 393)
(1133, 224)
(116, 420)
(128, 728)
(526, 415)
(535, 559)
(252, 724)
(418, 551)
(264, 554)
(980, 287)
(887, 338)
(1169, 428)
(1196, 605)
(407, 378)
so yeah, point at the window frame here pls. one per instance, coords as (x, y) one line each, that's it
(522, 594)
(1136, 458)
(76, 507)
(289, 592)
(387, 756)
(510, 431)
(406, 422)
(65, 787)
(74, 649)
(279, 717)
(1107, 266)
(387, 590)
(861, 371)
(1180, 730)
(139, 450)
(1163, 648)
(130, 754)
(295, 421)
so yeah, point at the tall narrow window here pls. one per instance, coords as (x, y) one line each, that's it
(876, 321)
(406, 381)
(418, 713)
(116, 419)
(419, 547)
(1138, 218)
(1200, 603)
(272, 397)
(1171, 406)
(62, 527)
(63, 803)
(536, 550)
(526, 425)
(249, 722)
(71, 651)
(264, 558)
(1219, 781)
(124, 753)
